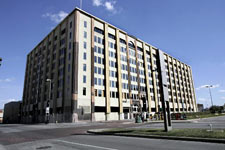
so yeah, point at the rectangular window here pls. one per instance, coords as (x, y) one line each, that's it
(85, 56)
(85, 34)
(70, 35)
(71, 24)
(69, 56)
(99, 81)
(84, 79)
(68, 67)
(99, 50)
(85, 24)
(69, 45)
(96, 59)
(95, 49)
(99, 40)
(99, 71)
(95, 69)
(95, 80)
(95, 38)
(85, 45)
(84, 67)
(84, 91)
(99, 60)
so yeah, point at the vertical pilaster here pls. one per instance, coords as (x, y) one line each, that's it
(184, 79)
(147, 79)
(137, 67)
(129, 82)
(92, 72)
(170, 80)
(175, 84)
(154, 80)
(193, 92)
(181, 93)
(119, 75)
(75, 66)
(107, 82)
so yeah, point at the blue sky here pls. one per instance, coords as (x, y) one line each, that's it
(192, 31)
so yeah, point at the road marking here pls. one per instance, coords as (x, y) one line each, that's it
(87, 145)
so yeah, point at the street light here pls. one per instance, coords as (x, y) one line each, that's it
(49, 97)
(210, 86)
(0, 61)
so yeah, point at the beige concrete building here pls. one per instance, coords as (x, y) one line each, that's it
(99, 72)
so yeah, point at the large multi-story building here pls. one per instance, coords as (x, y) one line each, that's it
(88, 69)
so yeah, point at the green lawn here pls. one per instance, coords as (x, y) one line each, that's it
(202, 115)
(201, 133)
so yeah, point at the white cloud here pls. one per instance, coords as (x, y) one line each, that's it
(202, 99)
(97, 2)
(7, 80)
(58, 17)
(204, 86)
(109, 5)
(222, 91)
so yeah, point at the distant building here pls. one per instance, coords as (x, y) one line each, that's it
(200, 107)
(12, 112)
(1, 115)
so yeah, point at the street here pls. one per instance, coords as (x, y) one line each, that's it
(74, 136)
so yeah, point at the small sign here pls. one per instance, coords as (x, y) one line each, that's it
(47, 110)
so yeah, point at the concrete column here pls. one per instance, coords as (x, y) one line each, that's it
(147, 79)
(107, 82)
(119, 75)
(92, 72)
(179, 80)
(184, 79)
(170, 80)
(175, 84)
(193, 91)
(129, 82)
(154, 81)
(75, 67)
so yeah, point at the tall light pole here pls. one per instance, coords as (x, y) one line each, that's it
(0, 61)
(210, 86)
(49, 96)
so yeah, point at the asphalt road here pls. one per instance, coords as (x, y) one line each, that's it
(95, 142)
(74, 136)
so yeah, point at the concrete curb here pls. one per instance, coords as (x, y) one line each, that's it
(208, 140)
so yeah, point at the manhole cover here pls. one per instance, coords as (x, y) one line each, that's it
(44, 147)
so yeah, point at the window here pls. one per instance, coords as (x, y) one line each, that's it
(84, 79)
(70, 35)
(85, 56)
(95, 38)
(99, 60)
(85, 45)
(99, 71)
(95, 49)
(71, 24)
(84, 91)
(84, 67)
(68, 67)
(69, 45)
(85, 34)
(99, 40)
(69, 56)
(95, 69)
(85, 24)
(95, 80)
(99, 81)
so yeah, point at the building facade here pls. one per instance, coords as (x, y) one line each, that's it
(12, 112)
(99, 72)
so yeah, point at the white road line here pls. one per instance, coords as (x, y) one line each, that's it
(87, 145)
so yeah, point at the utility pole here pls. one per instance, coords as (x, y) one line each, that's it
(210, 86)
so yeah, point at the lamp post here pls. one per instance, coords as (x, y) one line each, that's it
(210, 86)
(0, 61)
(49, 97)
